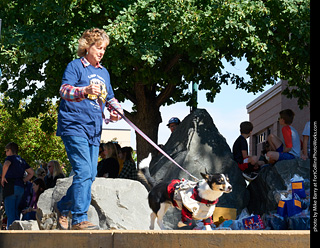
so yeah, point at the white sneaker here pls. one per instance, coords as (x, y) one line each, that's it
(250, 176)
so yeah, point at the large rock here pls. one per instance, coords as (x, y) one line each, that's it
(121, 204)
(264, 190)
(197, 145)
(116, 204)
(24, 225)
(45, 216)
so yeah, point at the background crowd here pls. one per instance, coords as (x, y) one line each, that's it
(22, 186)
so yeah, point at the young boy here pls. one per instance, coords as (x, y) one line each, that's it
(245, 162)
(291, 147)
(13, 181)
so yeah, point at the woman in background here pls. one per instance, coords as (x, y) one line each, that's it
(109, 167)
(129, 170)
(54, 172)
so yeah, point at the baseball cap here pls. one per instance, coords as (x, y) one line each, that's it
(174, 120)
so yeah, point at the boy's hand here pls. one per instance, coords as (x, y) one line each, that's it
(3, 180)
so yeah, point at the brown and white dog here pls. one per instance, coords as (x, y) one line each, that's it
(196, 200)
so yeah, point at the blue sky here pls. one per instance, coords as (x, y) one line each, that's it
(227, 111)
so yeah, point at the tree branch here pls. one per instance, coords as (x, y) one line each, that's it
(165, 94)
(173, 61)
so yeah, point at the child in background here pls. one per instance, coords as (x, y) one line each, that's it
(291, 147)
(247, 164)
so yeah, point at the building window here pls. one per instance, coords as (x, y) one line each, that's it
(261, 138)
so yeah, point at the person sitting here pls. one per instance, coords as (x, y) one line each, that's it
(291, 147)
(109, 167)
(54, 172)
(129, 170)
(247, 164)
(38, 187)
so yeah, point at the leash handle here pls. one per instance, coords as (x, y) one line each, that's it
(147, 139)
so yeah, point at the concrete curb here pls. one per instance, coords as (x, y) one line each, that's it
(154, 239)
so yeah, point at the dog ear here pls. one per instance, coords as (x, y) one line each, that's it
(205, 176)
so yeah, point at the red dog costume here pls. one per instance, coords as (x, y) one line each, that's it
(185, 196)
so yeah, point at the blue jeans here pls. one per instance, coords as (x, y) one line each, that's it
(11, 204)
(84, 159)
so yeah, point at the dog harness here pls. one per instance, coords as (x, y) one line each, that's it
(185, 196)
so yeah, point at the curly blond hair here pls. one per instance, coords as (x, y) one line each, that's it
(91, 37)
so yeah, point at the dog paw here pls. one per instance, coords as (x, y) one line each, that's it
(208, 227)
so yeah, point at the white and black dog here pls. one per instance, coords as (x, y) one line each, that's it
(196, 200)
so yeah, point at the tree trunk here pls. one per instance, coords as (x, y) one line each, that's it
(147, 118)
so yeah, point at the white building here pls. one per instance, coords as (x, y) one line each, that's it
(122, 136)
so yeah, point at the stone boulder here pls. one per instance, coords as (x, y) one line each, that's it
(116, 204)
(45, 216)
(197, 145)
(24, 225)
(121, 204)
(264, 190)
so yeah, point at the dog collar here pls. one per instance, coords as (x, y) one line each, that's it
(197, 197)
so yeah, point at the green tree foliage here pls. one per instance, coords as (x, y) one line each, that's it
(157, 48)
(35, 145)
